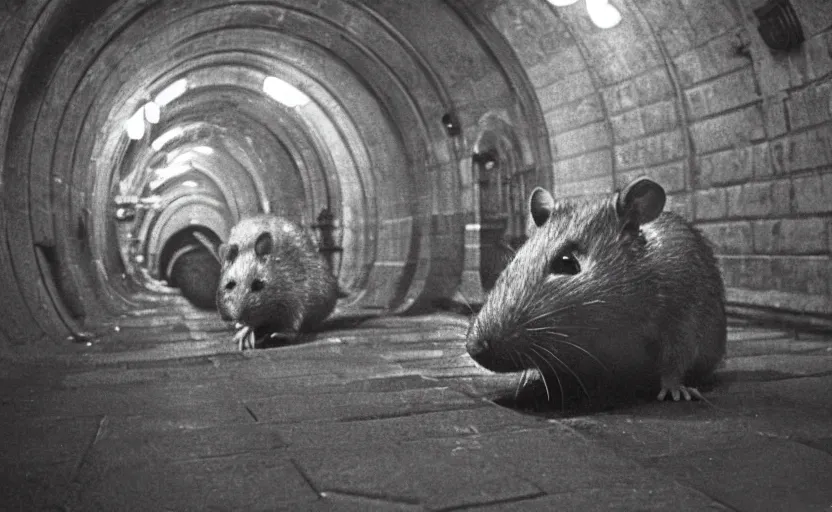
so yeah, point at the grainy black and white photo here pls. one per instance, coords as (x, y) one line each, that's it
(416, 255)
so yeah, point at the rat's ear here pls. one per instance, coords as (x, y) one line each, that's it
(541, 204)
(640, 202)
(264, 244)
(228, 252)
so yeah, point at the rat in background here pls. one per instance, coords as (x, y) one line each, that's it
(273, 280)
(615, 292)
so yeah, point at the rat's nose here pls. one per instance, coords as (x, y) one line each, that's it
(476, 347)
(480, 351)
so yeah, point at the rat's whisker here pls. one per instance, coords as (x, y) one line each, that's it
(559, 360)
(467, 304)
(585, 351)
(520, 383)
(547, 330)
(542, 377)
(557, 376)
(548, 313)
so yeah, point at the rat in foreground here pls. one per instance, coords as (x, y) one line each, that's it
(273, 280)
(616, 291)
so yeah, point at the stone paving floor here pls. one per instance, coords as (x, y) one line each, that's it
(391, 414)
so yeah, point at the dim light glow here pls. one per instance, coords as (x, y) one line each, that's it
(204, 150)
(284, 92)
(166, 137)
(602, 14)
(562, 3)
(135, 125)
(171, 92)
(190, 184)
(163, 175)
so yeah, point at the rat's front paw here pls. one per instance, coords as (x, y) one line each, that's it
(244, 337)
(679, 391)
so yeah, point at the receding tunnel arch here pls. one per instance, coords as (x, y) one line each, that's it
(369, 146)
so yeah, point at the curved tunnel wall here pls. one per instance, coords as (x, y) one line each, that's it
(689, 94)
(369, 144)
(683, 92)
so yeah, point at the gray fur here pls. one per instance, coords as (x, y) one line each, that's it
(647, 304)
(288, 290)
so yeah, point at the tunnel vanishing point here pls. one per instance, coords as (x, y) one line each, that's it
(405, 136)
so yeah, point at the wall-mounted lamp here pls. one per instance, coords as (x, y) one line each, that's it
(451, 124)
(127, 207)
(779, 25)
(125, 213)
(486, 159)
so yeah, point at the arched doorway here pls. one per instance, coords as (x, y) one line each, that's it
(502, 177)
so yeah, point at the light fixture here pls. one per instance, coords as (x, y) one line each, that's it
(135, 125)
(171, 92)
(602, 14)
(190, 184)
(125, 213)
(284, 92)
(486, 159)
(451, 123)
(152, 112)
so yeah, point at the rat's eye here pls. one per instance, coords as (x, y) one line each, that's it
(565, 263)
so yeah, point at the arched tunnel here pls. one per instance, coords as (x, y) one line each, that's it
(417, 131)
(405, 138)
(127, 123)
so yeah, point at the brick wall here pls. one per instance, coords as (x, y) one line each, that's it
(687, 92)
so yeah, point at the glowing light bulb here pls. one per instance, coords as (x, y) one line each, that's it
(602, 14)
(284, 92)
(171, 92)
(152, 112)
(135, 125)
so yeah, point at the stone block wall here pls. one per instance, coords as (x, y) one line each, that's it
(739, 135)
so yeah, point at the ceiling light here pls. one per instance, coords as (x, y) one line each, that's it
(284, 92)
(602, 14)
(171, 92)
(152, 112)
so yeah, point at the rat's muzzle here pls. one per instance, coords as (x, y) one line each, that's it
(486, 352)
